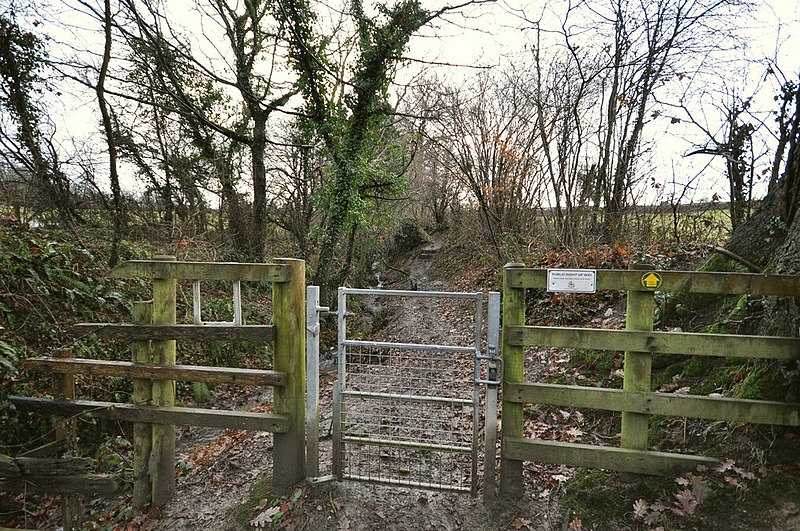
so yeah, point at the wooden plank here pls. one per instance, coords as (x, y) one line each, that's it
(51, 449)
(701, 407)
(212, 418)
(31, 466)
(187, 373)
(8, 468)
(186, 332)
(142, 354)
(619, 459)
(674, 281)
(66, 430)
(200, 271)
(85, 484)
(723, 345)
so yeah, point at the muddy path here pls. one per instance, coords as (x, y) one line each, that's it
(224, 470)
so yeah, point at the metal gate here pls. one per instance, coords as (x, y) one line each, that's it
(408, 413)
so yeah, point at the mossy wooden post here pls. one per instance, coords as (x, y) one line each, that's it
(142, 394)
(637, 368)
(66, 431)
(288, 302)
(162, 458)
(511, 482)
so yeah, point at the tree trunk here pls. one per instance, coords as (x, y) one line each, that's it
(258, 149)
(771, 239)
(782, 314)
(108, 127)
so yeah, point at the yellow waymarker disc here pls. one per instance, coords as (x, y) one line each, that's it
(651, 280)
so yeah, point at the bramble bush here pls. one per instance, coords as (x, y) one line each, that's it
(47, 283)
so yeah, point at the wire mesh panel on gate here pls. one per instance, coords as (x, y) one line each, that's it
(408, 415)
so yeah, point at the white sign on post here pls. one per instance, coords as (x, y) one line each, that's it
(572, 280)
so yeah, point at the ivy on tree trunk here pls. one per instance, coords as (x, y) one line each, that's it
(345, 128)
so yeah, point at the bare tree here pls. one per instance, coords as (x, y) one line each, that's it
(108, 129)
(487, 132)
(734, 143)
(241, 50)
(645, 43)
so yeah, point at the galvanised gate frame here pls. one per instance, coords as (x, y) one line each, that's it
(409, 413)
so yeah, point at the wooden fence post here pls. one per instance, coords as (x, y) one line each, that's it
(288, 302)
(66, 430)
(637, 368)
(511, 482)
(142, 394)
(162, 458)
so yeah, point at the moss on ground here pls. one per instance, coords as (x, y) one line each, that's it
(745, 505)
(763, 382)
(261, 490)
(604, 500)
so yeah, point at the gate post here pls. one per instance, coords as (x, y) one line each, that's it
(490, 435)
(288, 301)
(637, 365)
(511, 483)
(312, 380)
(162, 458)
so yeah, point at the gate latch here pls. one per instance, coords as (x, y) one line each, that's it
(314, 329)
(494, 370)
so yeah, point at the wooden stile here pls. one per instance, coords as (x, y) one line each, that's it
(154, 370)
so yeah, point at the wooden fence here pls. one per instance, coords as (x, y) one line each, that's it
(153, 368)
(635, 400)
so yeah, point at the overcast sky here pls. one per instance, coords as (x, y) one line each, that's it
(490, 35)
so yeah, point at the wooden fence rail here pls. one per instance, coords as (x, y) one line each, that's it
(154, 370)
(635, 400)
(53, 476)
